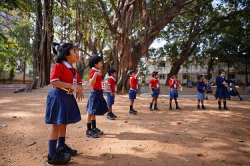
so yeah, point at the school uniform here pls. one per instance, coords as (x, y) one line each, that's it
(61, 107)
(201, 86)
(133, 88)
(155, 87)
(209, 88)
(96, 103)
(111, 99)
(173, 86)
(221, 90)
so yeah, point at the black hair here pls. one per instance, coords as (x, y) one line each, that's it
(171, 74)
(130, 72)
(94, 60)
(154, 73)
(62, 50)
(208, 78)
(111, 71)
(221, 71)
(199, 77)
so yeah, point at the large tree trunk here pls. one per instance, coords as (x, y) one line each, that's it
(209, 67)
(128, 51)
(37, 43)
(45, 47)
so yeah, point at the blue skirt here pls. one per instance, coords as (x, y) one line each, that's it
(61, 108)
(222, 93)
(200, 96)
(110, 99)
(156, 92)
(96, 103)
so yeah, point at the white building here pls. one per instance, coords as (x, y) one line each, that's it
(191, 72)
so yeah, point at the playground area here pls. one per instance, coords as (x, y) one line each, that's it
(186, 137)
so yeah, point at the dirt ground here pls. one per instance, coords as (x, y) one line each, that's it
(186, 137)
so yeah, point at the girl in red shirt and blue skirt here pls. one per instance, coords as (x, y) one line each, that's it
(96, 103)
(61, 107)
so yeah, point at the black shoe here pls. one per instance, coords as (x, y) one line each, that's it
(219, 108)
(59, 158)
(133, 112)
(150, 109)
(91, 133)
(178, 108)
(203, 107)
(67, 150)
(113, 115)
(241, 99)
(110, 116)
(198, 107)
(157, 109)
(206, 98)
(225, 108)
(97, 131)
(170, 108)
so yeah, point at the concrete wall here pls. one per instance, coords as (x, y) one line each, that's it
(18, 76)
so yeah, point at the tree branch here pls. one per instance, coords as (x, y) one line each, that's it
(116, 11)
(112, 29)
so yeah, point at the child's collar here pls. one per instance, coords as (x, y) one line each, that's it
(95, 69)
(155, 78)
(67, 64)
(113, 78)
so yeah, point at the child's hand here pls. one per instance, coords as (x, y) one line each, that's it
(204, 90)
(139, 69)
(111, 94)
(181, 88)
(79, 96)
(152, 92)
(77, 88)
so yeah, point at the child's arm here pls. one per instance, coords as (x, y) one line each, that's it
(93, 79)
(150, 88)
(61, 84)
(138, 73)
(111, 92)
(181, 87)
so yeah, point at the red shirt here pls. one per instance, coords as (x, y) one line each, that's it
(64, 72)
(174, 85)
(111, 83)
(154, 83)
(98, 83)
(133, 83)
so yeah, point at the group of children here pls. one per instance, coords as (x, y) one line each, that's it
(62, 108)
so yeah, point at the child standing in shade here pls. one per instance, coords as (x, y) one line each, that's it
(96, 103)
(209, 88)
(111, 93)
(201, 87)
(221, 90)
(154, 86)
(173, 86)
(61, 107)
(133, 88)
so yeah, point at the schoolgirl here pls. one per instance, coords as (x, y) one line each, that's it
(96, 103)
(201, 88)
(61, 107)
(221, 90)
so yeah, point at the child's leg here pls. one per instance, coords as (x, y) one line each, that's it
(202, 102)
(198, 102)
(225, 103)
(110, 108)
(155, 107)
(152, 101)
(53, 136)
(219, 102)
(61, 136)
(89, 121)
(176, 102)
(93, 121)
(131, 104)
(170, 103)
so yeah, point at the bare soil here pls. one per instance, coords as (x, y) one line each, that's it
(186, 137)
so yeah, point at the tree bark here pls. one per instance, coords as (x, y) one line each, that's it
(37, 43)
(209, 67)
(45, 47)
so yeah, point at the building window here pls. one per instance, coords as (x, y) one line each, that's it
(162, 64)
(161, 76)
(185, 76)
(231, 76)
